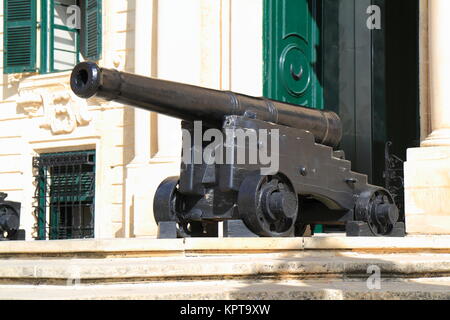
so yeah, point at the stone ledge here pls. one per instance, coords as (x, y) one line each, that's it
(407, 244)
(113, 247)
(153, 247)
(243, 245)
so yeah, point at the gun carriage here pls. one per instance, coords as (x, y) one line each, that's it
(10, 220)
(313, 183)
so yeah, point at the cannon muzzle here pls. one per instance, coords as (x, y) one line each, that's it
(191, 103)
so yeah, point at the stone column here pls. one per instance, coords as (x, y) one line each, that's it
(439, 52)
(138, 205)
(142, 66)
(427, 171)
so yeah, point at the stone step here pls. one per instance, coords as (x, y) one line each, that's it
(297, 265)
(238, 290)
(299, 268)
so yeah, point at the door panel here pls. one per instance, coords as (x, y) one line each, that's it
(291, 35)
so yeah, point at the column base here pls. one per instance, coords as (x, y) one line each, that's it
(439, 138)
(427, 191)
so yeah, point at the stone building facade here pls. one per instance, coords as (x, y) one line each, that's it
(134, 150)
(215, 44)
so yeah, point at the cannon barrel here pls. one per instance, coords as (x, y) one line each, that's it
(190, 103)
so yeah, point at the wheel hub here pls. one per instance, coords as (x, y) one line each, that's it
(378, 209)
(268, 205)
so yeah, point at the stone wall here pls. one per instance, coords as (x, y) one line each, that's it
(214, 44)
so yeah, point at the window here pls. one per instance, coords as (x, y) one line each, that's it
(65, 195)
(64, 43)
(39, 38)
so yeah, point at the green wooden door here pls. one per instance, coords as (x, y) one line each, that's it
(322, 54)
(291, 36)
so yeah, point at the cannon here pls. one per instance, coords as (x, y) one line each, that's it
(271, 166)
(10, 220)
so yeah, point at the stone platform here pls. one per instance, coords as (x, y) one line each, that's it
(300, 268)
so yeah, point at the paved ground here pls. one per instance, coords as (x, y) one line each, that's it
(238, 290)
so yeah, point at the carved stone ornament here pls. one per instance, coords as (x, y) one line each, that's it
(50, 96)
(30, 103)
(64, 113)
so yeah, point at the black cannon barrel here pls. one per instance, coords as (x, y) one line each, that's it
(189, 102)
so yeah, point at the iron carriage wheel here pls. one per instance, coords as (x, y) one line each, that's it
(377, 207)
(166, 201)
(167, 207)
(268, 205)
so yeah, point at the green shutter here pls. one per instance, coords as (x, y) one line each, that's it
(20, 36)
(91, 36)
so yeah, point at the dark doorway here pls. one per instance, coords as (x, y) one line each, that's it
(370, 77)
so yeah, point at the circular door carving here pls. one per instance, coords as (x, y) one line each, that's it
(295, 70)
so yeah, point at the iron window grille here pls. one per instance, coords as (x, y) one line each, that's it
(65, 195)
